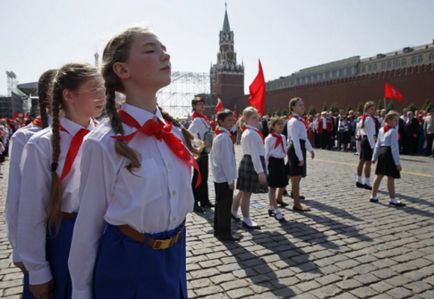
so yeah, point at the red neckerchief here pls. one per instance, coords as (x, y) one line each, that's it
(74, 147)
(365, 115)
(218, 132)
(197, 114)
(259, 132)
(302, 120)
(278, 141)
(37, 122)
(387, 128)
(161, 132)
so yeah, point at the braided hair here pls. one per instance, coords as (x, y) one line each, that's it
(45, 83)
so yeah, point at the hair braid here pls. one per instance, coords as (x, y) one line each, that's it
(44, 84)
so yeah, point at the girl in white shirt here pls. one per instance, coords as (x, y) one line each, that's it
(49, 200)
(298, 143)
(367, 144)
(135, 188)
(275, 152)
(252, 170)
(387, 153)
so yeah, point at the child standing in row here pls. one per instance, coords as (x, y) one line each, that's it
(135, 188)
(49, 199)
(387, 153)
(252, 170)
(224, 171)
(298, 143)
(275, 152)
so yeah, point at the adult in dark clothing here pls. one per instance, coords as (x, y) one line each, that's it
(265, 130)
(401, 130)
(411, 130)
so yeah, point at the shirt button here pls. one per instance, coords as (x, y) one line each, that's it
(174, 219)
(161, 140)
(173, 192)
(170, 166)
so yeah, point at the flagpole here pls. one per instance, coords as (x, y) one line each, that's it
(385, 107)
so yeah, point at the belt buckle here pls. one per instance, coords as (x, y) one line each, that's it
(161, 244)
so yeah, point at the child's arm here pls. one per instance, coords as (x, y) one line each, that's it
(394, 146)
(377, 148)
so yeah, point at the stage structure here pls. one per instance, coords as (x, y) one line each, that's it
(176, 98)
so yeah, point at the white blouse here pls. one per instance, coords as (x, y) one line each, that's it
(270, 151)
(388, 139)
(368, 130)
(296, 132)
(16, 147)
(198, 128)
(252, 145)
(35, 192)
(224, 167)
(155, 198)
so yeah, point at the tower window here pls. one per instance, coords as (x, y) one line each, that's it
(404, 62)
(420, 59)
(413, 60)
(431, 56)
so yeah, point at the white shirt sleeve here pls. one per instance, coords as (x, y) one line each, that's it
(198, 128)
(268, 148)
(34, 196)
(97, 180)
(226, 154)
(370, 131)
(377, 147)
(257, 164)
(394, 146)
(309, 146)
(296, 141)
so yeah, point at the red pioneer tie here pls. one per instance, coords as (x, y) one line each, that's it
(218, 131)
(161, 132)
(259, 132)
(74, 147)
(37, 122)
(387, 128)
(279, 141)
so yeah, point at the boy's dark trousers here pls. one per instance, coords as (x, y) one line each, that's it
(201, 192)
(222, 212)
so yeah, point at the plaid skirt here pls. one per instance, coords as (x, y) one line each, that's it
(248, 179)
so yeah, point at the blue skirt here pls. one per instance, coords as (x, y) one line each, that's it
(57, 252)
(128, 269)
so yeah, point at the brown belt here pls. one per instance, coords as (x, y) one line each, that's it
(69, 215)
(155, 244)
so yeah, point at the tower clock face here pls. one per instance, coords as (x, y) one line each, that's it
(230, 55)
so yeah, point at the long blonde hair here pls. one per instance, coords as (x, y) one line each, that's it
(249, 111)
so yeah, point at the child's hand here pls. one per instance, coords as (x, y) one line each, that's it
(231, 186)
(312, 155)
(262, 178)
(301, 163)
(373, 162)
(399, 167)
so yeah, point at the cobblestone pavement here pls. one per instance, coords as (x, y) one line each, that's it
(346, 247)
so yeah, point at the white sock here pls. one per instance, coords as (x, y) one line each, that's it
(271, 208)
(359, 179)
(249, 221)
(374, 197)
(234, 213)
(300, 195)
(367, 182)
(394, 200)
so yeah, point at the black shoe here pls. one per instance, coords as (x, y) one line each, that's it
(237, 219)
(198, 209)
(285, 193)
(360, 185)
(271, 213)
(281, 220)
(229, 238)
(397, 204)
(207, 204)
(367, 187)
(251, 227)
(282, 204)
(297, 209)
(373, 199)
(299, 196)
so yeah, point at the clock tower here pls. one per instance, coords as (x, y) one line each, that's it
(227, 76)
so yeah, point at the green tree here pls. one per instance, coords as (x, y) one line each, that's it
(360, 108)
(278, 112)
(284, 112)
(412, 107)
(324, 108)
(269, 113)
(426, 105)
(390, 106)
(348, 110)
(311, 111)
(380, 104)
(334, 108)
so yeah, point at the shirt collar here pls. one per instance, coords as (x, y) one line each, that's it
(250, 127)
(224, 129)
(73, 127)
(295, 114)
(141, 115)
(49, 119)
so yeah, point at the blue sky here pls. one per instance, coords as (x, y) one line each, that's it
(286, 35)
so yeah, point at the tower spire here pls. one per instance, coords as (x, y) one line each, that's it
(226, 27)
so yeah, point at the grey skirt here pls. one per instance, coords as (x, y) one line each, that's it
(248, 179)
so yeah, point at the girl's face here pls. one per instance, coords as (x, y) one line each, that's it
(199, 107)
(88, 100)
(253, 119)
(370, 110)
(148, 62)
(393, 122)
(278, 127)
(298, 107)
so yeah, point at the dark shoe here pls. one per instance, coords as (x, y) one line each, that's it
(281, 220)
(373, 199)
(229, 238)
(271, 213)
(198, 209)
(367, 187)
(237, 219)
(285, 193)
(397, 204)
(251, 227)
(360, 185)
(282, 204)
(297, 209)
(299, 196)
(207, 205)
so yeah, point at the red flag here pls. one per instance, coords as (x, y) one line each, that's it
(257, 91)
(219, 105)
(392, 92)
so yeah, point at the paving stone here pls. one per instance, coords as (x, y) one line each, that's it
(348, 284)
(400, 293)
(364, 292)
(326, 292)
